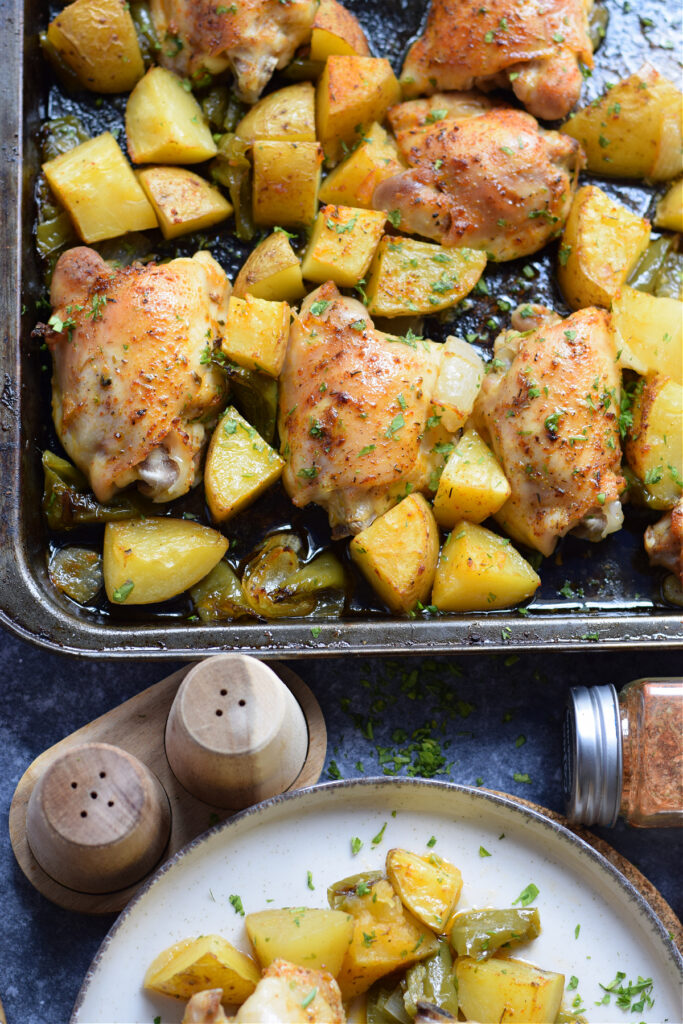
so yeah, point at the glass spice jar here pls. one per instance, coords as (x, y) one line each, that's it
(623, 754)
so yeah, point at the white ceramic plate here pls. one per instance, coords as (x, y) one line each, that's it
(265, 853)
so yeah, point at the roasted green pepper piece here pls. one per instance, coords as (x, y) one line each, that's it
(385, 1006)
(77, 572)
(355, 885)
(232, 169)
(62, 134)
(644, 277)
(54, 234)
(669, 280)
(66, 75)
(303, 69)
(215, 106)
(638, 492)
(219, 596)
(598, 20)
(255, 395)
(145, 31)
(432, 981)
(69, 502)
(277, 585)
(479, 933)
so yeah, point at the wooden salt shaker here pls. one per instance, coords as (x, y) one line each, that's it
(235, 733)
(98, 819)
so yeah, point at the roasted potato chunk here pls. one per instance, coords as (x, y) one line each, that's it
(165, 124)
(96, 184)
(272, 271)
(352, 93)
(207, 962)
(634, 130)
(239, 466)
(287, 115)
(286, 182)
(336, 31)
(97, 40)
(478, 570)
(354, 181)
(398, 553)
(649, 333)
(601, 244)
(256, 334)
(317, 939)
(654, 446)
(472, 485)
(490, 991)
(409, 277)
(150, 560)
(429, 887)
(342, 245)
(182, 200)
(669, 213)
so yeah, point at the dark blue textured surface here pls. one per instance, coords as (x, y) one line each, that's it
(478, 707)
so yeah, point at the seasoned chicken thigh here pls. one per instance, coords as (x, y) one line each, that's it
(365, 417)
(664, 541)
(496, 182)
(252, 37)
(287, 994)
(132, 390)
(536, 47)
(549, 408)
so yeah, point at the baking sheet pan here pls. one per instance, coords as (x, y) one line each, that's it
(591, 595)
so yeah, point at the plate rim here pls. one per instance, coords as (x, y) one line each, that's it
(486, 796)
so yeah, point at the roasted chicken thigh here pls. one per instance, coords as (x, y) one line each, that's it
(132, 391)
(252, 37)
(536, 48)
(496, 182)
(549, 408)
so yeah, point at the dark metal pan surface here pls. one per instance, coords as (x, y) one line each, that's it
(591, 595)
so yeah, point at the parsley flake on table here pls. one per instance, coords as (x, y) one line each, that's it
(521, 777)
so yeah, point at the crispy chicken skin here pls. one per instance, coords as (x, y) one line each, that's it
(132, 395)
(287, 994)
(549, 409)
(353, 410)
(664, 541)
(252, 37)
(496, 182)
(534, 47)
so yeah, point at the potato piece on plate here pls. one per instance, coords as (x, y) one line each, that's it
(634, 130)
(669, 213)
(286, 182)
(654, 446)
(317, 939)
(472, 485)
(97, 40)
(182, 200)
(207, 962)
(478, 570)
(239, 466)
(398, 553)
(96, 184)
(256, 334)
(354, 180)
(352, 93)
(336, 31)
(428, 886)
(649, 333)
(601, 244)
(518, 993)
(287, 115)
(342, 245)
(271, 271)
(408, 277)
(150, 560)
(165, 124)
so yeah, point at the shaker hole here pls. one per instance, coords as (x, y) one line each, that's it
(218, 712)
(242, 703)
(74, 785)
(110, 803)
(103, 775)
(93, 795)
(84, 814)
(224, 693)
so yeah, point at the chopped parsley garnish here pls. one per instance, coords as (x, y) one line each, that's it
(319, 307)
(122, 592)
(483, 852)
(358, 325)
(521, 777)
(309, 880)
(356, 845)
(431, 842)
(435, 115)
(315, 632)
(309, 473)
(236, 902)
(394, 217)
(564, 254)
(376, 840)
(309, 998)
(576, 931)
(573, 983)
(333, 770)
(527, 895)
(396, 424)
(640, 991)
(366, 450)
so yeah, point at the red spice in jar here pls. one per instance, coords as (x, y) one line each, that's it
(651, 714)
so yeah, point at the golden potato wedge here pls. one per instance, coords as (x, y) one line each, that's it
(669, 213)
(654, 445)
(164, 122)
(256, 334)
(634, 130)
(239, 466)
(429, 887)
(336, 31)
(317, 939)
(209, 961)
(97, 40)
(519, 993)
(96, 184)
(271, 271)
(441, 106)
(352, 93)
(150, 560)
(342, 245)
(472, 485)
(286, 182)
(286, 115)
(601, 244)
(398, 553)
(457, 386)
(407, 276)
(478, 570)
(649, 332)
(182, 200)
(354, 180)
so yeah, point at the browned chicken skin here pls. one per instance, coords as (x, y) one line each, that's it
(534, 47)
(664, 541)
(132, 393)
(549, 409)
(496, 182)
(252, 37)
